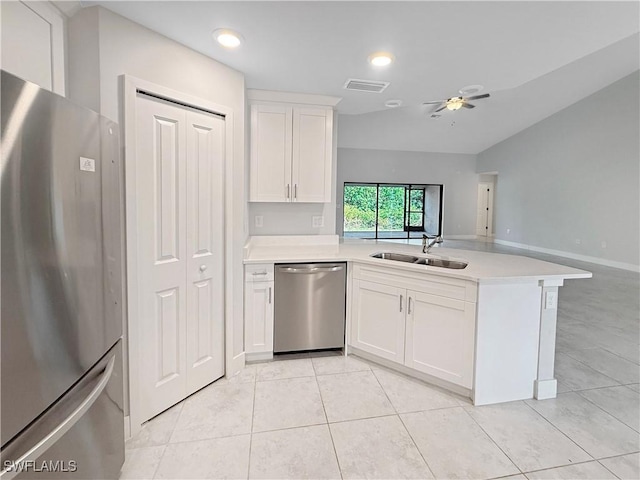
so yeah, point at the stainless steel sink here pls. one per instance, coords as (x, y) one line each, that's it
(432, 262)
(439, 262)
(398, 257)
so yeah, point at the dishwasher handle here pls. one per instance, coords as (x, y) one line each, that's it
(310, 270)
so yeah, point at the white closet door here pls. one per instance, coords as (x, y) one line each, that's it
(205, 247)
(180, 220)
(162, 298)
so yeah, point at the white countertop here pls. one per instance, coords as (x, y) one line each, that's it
(483, 267)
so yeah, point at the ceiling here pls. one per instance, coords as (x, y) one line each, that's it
(534, 58)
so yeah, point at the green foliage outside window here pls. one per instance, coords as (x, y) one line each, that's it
(360, 208)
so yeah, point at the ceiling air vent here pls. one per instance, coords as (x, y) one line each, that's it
(365, 85)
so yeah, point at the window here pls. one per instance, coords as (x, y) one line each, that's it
(387, 210)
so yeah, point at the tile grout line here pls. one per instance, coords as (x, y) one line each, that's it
(607, 469)
(253, 410)
(416, 445)
(595, 369)
(164, 450)
(402, 423)
(333, 443)
(619, 356)
(569, 465)
(558, 429)
(492, 440)
(155, 470)
(627, 385)
(614, 456)
(384, 391)
(616, 382)
(608, 413)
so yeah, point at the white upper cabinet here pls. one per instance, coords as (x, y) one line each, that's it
(312, 154)
(33, 43)
(291, 152)
(271, 138)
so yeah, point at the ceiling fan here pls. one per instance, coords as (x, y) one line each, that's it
(456, 103)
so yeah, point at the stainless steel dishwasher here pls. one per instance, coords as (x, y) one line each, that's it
(309, 306)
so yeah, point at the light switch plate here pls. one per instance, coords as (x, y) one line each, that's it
(259, 221)
(317, 221)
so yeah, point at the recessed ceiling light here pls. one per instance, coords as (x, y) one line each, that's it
(470, 89)
(381, 59)
(393, 103)
(227, 38)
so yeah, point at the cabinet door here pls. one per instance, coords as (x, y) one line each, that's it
(312, 154)
(258, 311)
(440, 337)
(377, 319)
(270, 173)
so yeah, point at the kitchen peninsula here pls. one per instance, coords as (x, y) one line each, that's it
(486, 331)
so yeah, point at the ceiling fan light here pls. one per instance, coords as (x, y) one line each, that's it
(455, 103)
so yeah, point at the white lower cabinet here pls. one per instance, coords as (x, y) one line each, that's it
(378, 324)
(428, 333)
(440, 337)
(258, 312)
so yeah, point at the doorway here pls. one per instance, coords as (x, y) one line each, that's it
(484, 224)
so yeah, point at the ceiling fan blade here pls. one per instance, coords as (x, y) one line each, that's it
(468, 105)
(433, 103)
(478, 97)
(441, 108)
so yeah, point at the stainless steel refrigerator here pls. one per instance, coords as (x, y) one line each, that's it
(61, 288)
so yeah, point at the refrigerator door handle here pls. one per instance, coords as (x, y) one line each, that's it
(54, 435)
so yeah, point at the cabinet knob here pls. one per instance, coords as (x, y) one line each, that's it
(203, 268)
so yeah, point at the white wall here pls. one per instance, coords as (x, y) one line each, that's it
(457, 172)
(574, 176)
(103, 46)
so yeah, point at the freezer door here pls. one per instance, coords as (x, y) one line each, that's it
(59, 302)
(81, 436)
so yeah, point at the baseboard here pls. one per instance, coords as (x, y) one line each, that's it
(258, 357)
(235, 365)
(459, 237)
(544, 389)
(457, 389)
(127, 427)
(574, 256)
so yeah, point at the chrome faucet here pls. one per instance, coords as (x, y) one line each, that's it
(426, 247)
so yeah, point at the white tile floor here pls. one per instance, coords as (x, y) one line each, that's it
(335, 417)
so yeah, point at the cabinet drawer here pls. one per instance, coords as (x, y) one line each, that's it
(418, 281)
(259, 272)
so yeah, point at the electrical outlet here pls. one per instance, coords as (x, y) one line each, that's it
(317, 221)
(551, 300)
(259, 221)
(603, 244)
(578, 241)
(508, 231)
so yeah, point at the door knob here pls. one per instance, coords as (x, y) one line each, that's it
(203, 268)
